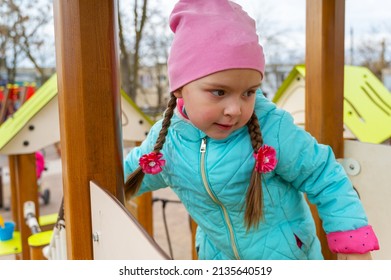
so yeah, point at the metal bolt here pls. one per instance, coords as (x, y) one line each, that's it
(95, 237)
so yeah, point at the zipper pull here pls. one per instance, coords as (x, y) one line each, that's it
(203, 145)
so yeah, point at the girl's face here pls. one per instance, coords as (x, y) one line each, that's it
(222, 102)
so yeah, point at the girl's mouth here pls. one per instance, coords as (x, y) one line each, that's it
(224, 126)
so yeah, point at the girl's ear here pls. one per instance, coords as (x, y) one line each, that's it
(178, 93)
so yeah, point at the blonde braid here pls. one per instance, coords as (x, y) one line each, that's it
(254, 198)
(134, 180)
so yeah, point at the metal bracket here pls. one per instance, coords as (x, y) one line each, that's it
(351, 166)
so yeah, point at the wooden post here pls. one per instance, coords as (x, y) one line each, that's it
(193, 227)
(145, 211)
(14, 190)
(87, 63)
(144, 208)
(23, 188)
(324, 81)
(36, 252)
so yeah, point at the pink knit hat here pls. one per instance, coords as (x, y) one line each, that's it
(211, 36)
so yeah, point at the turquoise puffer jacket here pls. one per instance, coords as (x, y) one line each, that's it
(211, 179)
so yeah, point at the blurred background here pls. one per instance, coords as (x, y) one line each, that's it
(27, 54)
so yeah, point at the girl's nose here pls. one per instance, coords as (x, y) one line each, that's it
(233, 108)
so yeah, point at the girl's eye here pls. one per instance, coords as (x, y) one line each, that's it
(217, 92)
(249, 93)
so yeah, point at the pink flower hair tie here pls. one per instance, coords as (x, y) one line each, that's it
(266, 159)
(152, 163)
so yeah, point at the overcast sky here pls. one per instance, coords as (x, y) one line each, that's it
(362, 15)
(364, 18)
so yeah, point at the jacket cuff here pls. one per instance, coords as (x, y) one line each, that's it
(358, 241)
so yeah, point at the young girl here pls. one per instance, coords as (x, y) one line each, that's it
(239, 164)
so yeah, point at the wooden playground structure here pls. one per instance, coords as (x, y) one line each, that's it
(34, 127)
(89, 102)
(13, 96)
(367, 103)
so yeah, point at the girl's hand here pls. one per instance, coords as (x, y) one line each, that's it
(366, 256)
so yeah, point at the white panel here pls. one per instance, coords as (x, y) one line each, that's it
(116, 233)
(134, 126)
(293, 99)
(3, 161)
(40, 131)
(373, 182)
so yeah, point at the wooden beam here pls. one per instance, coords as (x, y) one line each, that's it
(145, 208)
(14, 189)
(325, 24)
(87, 60)
(145, 211)
(23, 188)
(193, 228)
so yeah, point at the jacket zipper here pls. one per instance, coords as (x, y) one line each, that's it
(214, 198)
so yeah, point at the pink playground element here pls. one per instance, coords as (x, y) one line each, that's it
(40, 164)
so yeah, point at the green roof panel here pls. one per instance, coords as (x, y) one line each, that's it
(13, 125)
(29, 109)
(367, 103)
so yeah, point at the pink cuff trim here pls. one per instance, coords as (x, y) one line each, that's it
(359, 241)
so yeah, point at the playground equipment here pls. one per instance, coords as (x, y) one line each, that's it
(38, 238)
(367, 103)
(30, 217)
(12, 96)
(56, 249)
(36, 125)
(122, 237)
(6, 229)
(368, 167)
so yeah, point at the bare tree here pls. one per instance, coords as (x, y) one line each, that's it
(155, 53)
(130, 56)
(144, 51)
(21, 35)
(281, 46)
(372, 50)
(372, 54)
